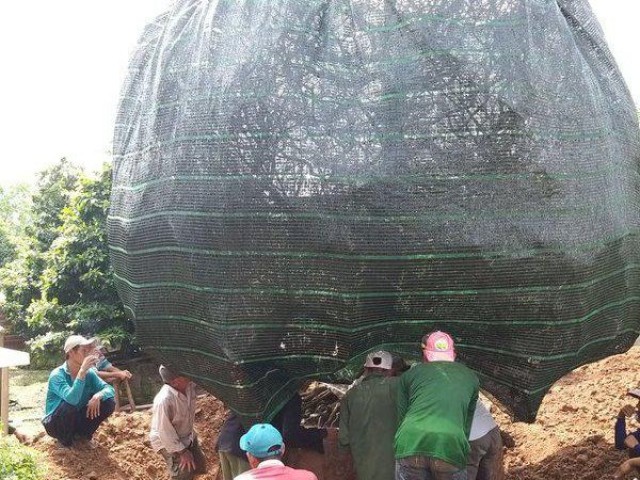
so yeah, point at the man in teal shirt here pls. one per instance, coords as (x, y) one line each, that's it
(368, 419)
(78, 401)
(436, 401)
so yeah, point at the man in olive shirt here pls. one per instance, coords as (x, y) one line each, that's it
(436, 401)
(368, 419)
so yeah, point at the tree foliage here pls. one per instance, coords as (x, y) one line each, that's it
(60, 278)
(14, 213)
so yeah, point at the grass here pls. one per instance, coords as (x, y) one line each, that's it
(18, 462)
(22, 377)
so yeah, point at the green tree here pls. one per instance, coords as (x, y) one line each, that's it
(61, 279)
(78, 273)
(55, 187)
(14, 214)
(20, 278)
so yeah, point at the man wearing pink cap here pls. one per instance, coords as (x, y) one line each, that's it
(436, 402)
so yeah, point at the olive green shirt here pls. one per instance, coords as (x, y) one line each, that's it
(368, 425)
(436, 401)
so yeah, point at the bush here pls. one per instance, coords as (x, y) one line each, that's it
(46, 350)
(18, 462)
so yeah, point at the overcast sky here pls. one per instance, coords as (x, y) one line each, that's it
(64, 61)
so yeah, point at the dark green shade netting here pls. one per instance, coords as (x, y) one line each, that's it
(297, 183)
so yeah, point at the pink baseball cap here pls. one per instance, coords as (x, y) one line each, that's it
(438, 346)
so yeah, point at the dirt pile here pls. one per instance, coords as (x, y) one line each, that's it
(124, 451)
(572, 438)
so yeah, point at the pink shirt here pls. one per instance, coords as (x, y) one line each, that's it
(275, 469)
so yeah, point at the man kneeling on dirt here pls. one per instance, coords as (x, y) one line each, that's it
(172, 434)
(265, 448)
(78, 401)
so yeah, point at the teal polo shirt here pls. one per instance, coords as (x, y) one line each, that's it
(76, 392)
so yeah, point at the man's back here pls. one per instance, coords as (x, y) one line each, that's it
(436, 402)
(368, 422)
(275, 469)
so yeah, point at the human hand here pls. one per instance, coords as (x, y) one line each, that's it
(93, 407)
(124, 374)
(623, 470)
(627, 411)
(89, 361)
(187, 461)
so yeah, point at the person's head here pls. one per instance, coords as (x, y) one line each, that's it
(179, 382)
(77, 347)
(399, 366)
(262, 442)
(438, 347)
(379, 362)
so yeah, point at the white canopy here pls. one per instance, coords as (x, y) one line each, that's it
(13, 358)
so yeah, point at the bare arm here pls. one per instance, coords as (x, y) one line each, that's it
(112, 373)
(627, 467)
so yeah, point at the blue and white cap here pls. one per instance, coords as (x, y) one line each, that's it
(262, 440)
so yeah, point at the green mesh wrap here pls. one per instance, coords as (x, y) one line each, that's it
(299, 182)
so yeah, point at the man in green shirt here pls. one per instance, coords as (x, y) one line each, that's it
(368, 419)
(436, 401)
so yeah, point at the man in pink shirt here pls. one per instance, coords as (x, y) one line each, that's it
(265, 448)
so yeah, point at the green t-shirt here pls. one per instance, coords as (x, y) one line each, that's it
(368, 424)
(436, 401)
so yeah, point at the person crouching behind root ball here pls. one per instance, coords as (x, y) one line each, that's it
(78, 401)
(172, 434)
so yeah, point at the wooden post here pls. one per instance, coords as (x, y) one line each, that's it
(8, 358)
(4, 391)
(4, 401)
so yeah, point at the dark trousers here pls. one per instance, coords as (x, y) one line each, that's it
(485, 457)
(68, 422)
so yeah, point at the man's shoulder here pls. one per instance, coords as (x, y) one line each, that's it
(300, 474)
(282, 472)
(59, 371)
(163, 396)
(434, 370)
(375, 383)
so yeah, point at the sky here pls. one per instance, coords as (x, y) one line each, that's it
(64, 62)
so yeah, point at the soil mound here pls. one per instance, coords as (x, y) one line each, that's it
(571, 439)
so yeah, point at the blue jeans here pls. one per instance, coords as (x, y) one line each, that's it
(418, 467)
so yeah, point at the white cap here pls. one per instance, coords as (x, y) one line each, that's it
(379, 359)
(75, 340)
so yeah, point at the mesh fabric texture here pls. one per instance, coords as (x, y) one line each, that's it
(297, 183)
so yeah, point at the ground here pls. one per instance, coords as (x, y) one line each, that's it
(571, 439)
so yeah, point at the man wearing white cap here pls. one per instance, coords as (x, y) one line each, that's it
(436, 402)
(368, 419)
(78, 401)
